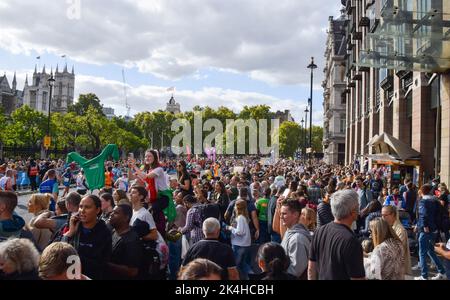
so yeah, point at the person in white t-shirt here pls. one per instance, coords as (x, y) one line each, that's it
(241, 238)
(138, 194)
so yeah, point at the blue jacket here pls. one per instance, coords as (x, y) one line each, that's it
(428, 210)
(47, 187)
(390, 200)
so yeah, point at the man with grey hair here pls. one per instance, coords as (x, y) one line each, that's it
(336, 253)
(210, 248)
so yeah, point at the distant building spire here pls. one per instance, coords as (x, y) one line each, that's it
(73, 70)
(65, 69)
(43, 70)
(14, 82)
(35, 69)
(26, 80)
(56, 69)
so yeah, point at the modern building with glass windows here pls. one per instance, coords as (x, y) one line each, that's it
(398, 87)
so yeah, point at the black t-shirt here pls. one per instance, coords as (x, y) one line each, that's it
(337, 253)
(215, 251)
(94, 248)
(126, 251)
(181, 181)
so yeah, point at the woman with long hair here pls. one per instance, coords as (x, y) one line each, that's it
(200, 194)
(120, 197)
(386, 262)
(184, 179)
(221, 197)
(38, 205)
(91, 238)
(241, 238)
(156, 184)
(107, 206)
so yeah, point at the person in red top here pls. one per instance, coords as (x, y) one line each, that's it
(33, 172)
(155, 182)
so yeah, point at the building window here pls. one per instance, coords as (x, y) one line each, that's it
(342, 124)
(367, 87)
(382, 74)
(409, 105)
(44, 101)
(360, 99)
(33, 99)
(435, 93)
(341, 148)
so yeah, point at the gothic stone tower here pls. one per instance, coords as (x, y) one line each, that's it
(37, 94)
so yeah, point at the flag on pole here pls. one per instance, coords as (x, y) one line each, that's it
(171, 89)
(188, 152)
(38, 57)
(63, 56)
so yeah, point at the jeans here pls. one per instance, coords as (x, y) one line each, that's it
(426, 247)
(447, 268)
(174, 259)
(263, 233)
(241, 255)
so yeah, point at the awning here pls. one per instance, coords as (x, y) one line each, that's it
(387, 146)
(384, 157)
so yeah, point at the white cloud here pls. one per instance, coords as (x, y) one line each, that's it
(269, 40)
(152, 98)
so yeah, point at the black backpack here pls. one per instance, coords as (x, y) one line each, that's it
(150, 270)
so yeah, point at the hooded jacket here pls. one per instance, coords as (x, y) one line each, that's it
(296, 243)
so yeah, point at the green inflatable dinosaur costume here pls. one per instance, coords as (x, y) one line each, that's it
(94, 169)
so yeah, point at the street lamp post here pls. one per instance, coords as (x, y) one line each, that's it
(301, 133)
(51, 83)
(306, 124)
(311, 66)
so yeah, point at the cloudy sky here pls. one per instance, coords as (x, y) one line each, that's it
(215, 52)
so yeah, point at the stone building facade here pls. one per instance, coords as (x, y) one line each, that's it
(334, 118)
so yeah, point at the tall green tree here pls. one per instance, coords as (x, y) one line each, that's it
(93, 126)
(27, 127)
(289, 138)
(317, 139)
(84, 102)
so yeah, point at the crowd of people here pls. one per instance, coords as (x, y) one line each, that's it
(232, 218)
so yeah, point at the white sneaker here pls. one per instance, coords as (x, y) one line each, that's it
(416, 268)
(420, 278)
(439, 276)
